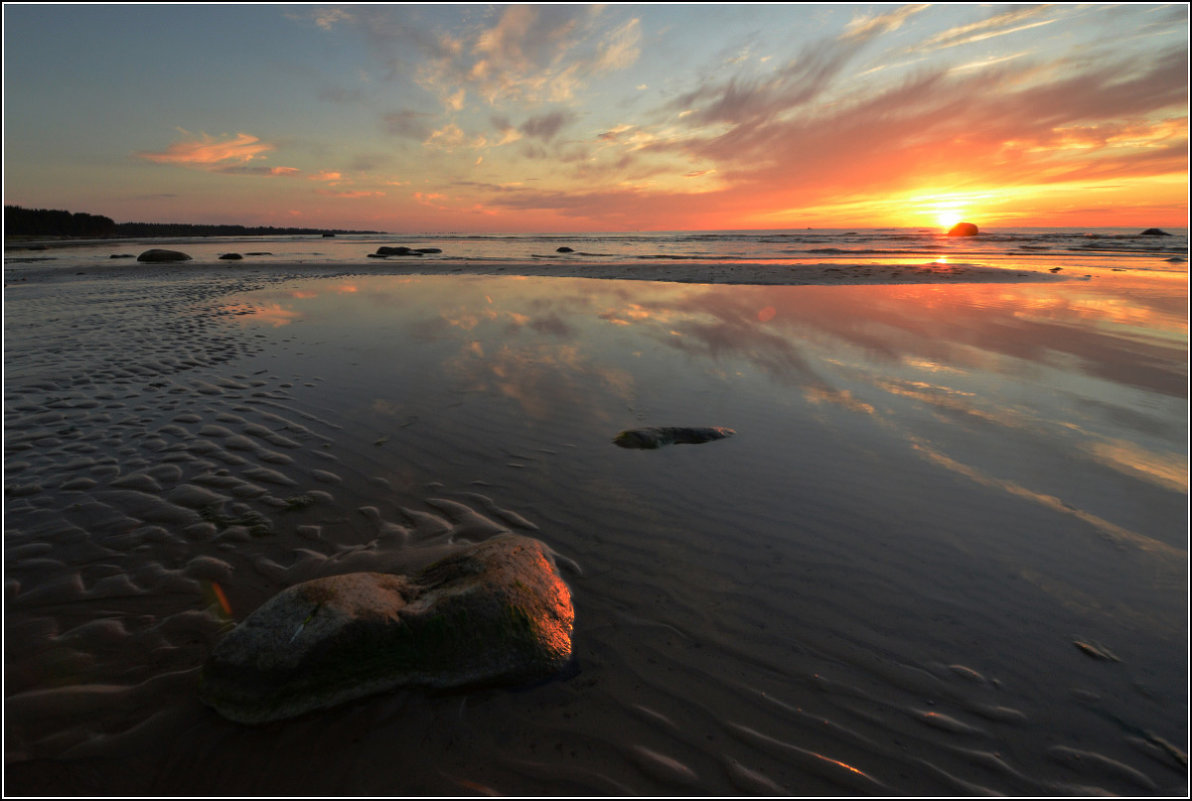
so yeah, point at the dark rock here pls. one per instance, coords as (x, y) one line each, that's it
(429, 250)
(231, 257)
(396, 250)
(564, 249)
(1154, 232)
(963, 229)
(657, 437)
(157, 254)
(493, 613)
(258, 253)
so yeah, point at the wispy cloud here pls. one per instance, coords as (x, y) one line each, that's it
(528, 53)
(866, 26)
(1012, 21)
(350, 194)
(240, 169)
(208, 150)
(545, 126)
(409, 123)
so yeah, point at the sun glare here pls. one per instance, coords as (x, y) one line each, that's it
(948, 217)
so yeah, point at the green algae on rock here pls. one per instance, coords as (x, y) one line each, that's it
(496, 612)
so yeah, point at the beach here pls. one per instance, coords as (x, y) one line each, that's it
(945, 552)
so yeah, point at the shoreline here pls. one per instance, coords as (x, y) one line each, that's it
(710, 272)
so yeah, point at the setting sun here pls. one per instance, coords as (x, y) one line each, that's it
(946, 218)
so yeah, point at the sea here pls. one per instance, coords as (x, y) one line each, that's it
(1013, 248)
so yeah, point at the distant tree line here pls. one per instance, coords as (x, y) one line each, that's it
(50, 222)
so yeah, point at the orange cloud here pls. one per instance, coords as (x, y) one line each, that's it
(326, 175)
(207, 150)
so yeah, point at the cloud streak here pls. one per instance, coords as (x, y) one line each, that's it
(209, 150)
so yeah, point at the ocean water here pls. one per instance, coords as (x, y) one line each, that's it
(1013, 248)
(945, 552)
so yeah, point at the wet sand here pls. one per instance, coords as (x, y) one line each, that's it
(900, 576)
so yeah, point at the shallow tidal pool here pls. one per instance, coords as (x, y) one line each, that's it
(945, 551)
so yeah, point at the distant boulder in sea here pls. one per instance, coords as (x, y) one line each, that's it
(564, 249)
(231, 257)
(1154, 232)
(963, 229)
(158, 254)
(396, 250)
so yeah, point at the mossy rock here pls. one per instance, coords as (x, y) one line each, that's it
(493, 613)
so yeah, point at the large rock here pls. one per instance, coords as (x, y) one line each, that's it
(1154, 232)
(963, 229)
(650, 438)
(157, 254)
(396, 250)
(493, 613)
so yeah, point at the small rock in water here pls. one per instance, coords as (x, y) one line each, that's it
(564, 249)
(1154, 232)
(1096, 650)
(231, 256)
(963, 229)
(650, 438)
(158, 254)
(496, 612)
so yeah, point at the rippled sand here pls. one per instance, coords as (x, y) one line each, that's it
(848, 597)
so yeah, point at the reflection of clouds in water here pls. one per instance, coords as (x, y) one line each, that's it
(273, 314)
(542, 378)
(1006, 352)
(1113, 531)
(841, 397)
(1123, 339)
(467, 320)
(1167, 470)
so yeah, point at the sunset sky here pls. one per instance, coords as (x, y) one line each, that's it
(463, 118)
